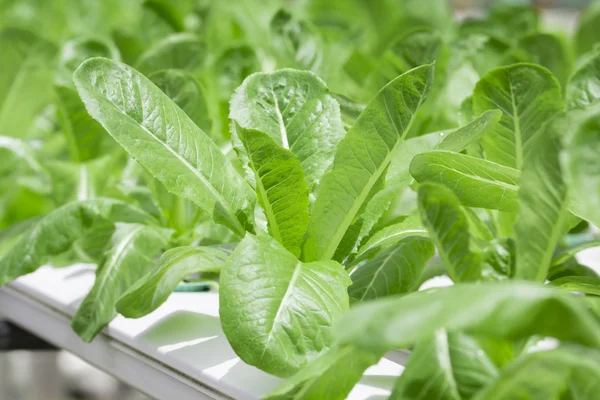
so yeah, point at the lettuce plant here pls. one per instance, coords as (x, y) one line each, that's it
(323, 181)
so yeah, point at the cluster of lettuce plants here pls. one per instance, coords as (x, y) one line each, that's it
(318, 161)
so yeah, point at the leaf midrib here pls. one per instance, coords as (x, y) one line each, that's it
(378, 271)
(492, 182)
(445, 360)
(288, 293)
(202, 178)
(349, 217)
(117, 256)
(369, 246)
(554, 238)
(270, 214)
(517, 126)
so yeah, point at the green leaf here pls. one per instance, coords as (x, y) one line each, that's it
(570, 268)
(281, 187)
(149, 292)
(394, 270)
(76, 51)
(296, 110)
(183, 51)
(578, 284)
(476, 182)
(89, 248)
(331, 376)
(58, 231)
(392, 234)
(528, 96)
(543, 207)
(398, 177)
(448, 227)
(550, 51)
(12, 234)
(21, 166)
(276, 311)
(570, 252)
(86, 139)
(587, 35)
(459, 139)
(361, 159)
(79, 181)
(133, 247)
(583, 88)
(582, 170)
(415, 48)
(567, 372)
(502, 310)
(444, 367)
(186, 92)
(163, 139)
(26, 79)
(397, 180)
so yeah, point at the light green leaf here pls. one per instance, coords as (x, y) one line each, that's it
(281, 187)
(582, 169)
(550, 51)
(76, 51)
(183, 51)
(587, 35)
(392, 234)
(129, 257)
(163, 139)
(459, 139)
(448, 227)
(528, 96)
(186, 92)
(570, 252)
(361, 159)
(26, 79)
(543, 207)
(230, 69)
(149, 292)
(21, 166)
(397, 180)
(501, 310)
(276, 311)
(476, 182)
(570, 268)
(567, 372)
(296, 110)
(58, 231)
(398, 177)
(583, 88)
(578, 284)
(331, 376)
(445, 367)
(79, 181)
(394, 270)
(415, 48)
(86, 138)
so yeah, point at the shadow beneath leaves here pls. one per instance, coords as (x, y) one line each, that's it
(79, 272)
(251, 379)
(379, 381)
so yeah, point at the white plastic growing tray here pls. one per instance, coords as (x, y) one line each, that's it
(177, 352)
